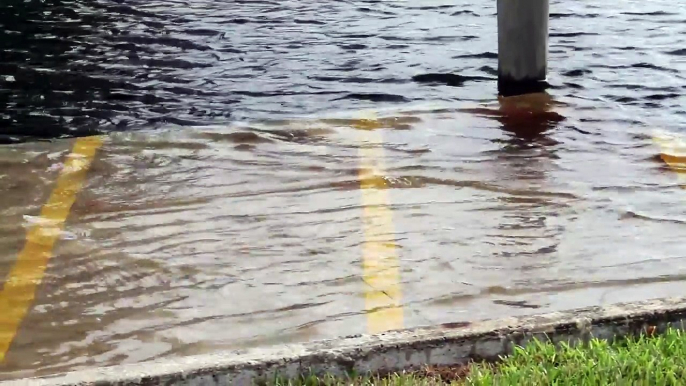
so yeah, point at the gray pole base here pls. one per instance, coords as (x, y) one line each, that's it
(522, 46)
(507, 86)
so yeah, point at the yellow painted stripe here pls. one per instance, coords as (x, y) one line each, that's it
(381, 271)
(673, 153)
(20, 286)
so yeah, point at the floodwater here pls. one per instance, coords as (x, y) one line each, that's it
(224, 209)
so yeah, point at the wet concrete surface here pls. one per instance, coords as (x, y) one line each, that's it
(189, 241)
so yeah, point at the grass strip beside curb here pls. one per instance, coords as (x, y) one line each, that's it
(641, 360)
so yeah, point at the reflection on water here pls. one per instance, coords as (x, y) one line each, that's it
(524, 233)
(526, 117)
(225, 209)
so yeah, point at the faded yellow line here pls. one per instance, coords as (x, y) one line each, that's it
(19, 288)
(381, 271)
(673, 153)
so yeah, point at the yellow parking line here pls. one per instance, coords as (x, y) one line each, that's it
(19, 288)
(381, 272)
(673, 153)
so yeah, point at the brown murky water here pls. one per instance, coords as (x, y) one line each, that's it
(213, 233)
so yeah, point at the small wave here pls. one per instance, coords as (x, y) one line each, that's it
(432, 7)
(454, 80)
(483, 55)
(655, 13)
(661, 97)
(374, 97)
(635, 215)
(679, 52)
(557, 15)
(354, 47)
(576, 73)
(464, 12)
(356, 79)
(489, 70)
(240, 137)
(571, 34)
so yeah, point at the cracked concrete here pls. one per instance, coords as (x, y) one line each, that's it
(447, 344)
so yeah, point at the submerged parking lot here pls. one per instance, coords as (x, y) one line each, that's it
(270, 173)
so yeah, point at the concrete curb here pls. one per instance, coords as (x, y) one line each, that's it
(447, 344)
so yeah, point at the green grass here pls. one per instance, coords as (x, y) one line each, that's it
(658, 360)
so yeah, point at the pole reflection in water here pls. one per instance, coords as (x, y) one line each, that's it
(527, 235)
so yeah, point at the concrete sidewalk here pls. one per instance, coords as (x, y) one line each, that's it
(447, 344)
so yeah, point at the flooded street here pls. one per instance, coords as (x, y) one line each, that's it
(270, 172)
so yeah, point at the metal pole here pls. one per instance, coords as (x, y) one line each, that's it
(522, 46)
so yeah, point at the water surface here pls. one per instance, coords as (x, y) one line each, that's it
(224, 210)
